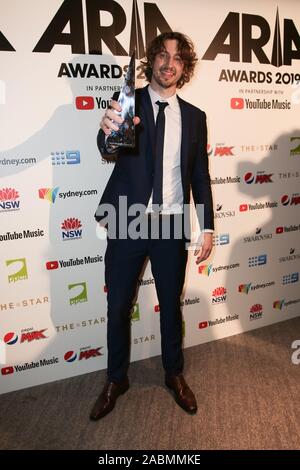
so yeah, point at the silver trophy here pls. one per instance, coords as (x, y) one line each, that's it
(125, 135)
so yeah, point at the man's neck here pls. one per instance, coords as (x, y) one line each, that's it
(163, 92)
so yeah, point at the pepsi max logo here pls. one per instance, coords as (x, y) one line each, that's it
(10, 338)
(70, 356)
(285, 200)
(249, 178)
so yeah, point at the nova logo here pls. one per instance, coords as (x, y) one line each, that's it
(81, 296)
(135, 313)
(296, 149)
(278, 304)
(8, 200)
(48, 194)
(222, 239)
(244, 288)
(242, 42)
(219, 295)
(69, 157)
(257, 260)
(256, 312)
(205, 269)
(21, 273)
(70, 17)
(293, 201)
(220, 151)
(71, 229)
(260, 177)
(290, 278)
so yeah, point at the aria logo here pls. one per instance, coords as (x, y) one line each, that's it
(231, 35)
(71, 229)
(8, 200)
(222, 239)
(70, 13)
(81, 295)
(21, 270)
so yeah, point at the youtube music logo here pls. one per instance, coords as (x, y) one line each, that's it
(85, 102)
(52, 265)
(7, 370)
(237, 103)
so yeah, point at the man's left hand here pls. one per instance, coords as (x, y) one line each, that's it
(204, 248)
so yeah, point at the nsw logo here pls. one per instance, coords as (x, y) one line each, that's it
(71, 229)
(219, 295)
(9, 200)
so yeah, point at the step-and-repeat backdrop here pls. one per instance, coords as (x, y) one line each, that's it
(60, 63)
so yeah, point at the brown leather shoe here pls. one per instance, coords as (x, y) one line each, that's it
(107, 399)
(183, 395)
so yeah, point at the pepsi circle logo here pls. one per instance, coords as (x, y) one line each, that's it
(285, 200)
(249, 177)
(10, 338)
(70, 356)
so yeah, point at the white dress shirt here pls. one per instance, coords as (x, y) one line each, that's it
(172, 184)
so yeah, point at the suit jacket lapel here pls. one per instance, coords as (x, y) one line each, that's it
(185, 128)
(148, 112)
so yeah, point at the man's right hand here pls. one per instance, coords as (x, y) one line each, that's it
(110, 119)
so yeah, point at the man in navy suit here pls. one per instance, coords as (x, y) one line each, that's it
(158, 174)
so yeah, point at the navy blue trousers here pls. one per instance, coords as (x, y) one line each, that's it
(124, 259)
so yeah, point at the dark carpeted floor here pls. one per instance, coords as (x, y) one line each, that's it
(246, 385)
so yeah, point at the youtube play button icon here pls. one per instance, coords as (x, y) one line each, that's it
(237, 103)
(85, 102)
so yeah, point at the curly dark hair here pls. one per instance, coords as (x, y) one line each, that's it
(185, 49)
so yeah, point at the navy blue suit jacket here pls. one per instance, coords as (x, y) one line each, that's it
(133, 172)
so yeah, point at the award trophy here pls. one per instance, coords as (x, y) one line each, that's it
(125, 136)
